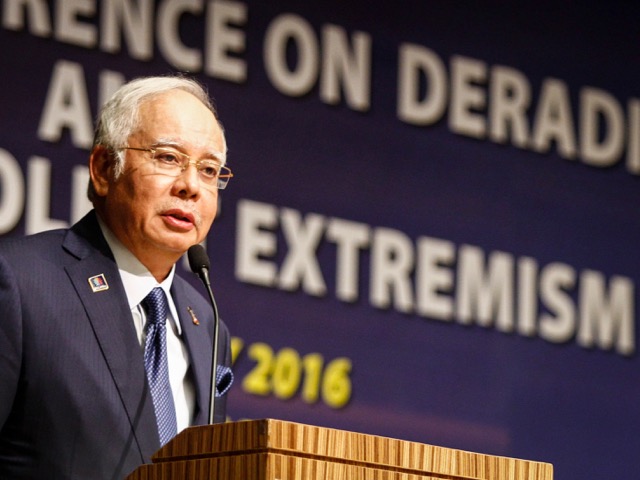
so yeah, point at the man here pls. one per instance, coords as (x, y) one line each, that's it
(85, 359)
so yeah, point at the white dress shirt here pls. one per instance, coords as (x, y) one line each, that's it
(138, 282)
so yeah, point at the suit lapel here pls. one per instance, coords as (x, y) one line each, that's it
(110, 318)
(197, 338)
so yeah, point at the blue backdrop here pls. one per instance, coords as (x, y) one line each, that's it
(432, 232)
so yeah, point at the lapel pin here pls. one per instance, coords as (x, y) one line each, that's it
(193, 316)
(98, 283)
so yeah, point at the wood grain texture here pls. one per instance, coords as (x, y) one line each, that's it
(279, 450)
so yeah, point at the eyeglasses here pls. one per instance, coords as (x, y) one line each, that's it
(172, 162)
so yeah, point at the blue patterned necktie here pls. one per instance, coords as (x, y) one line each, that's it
(156, 364)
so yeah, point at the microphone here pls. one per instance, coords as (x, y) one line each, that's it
(200, 265)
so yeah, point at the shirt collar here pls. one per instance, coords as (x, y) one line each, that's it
(136, 278)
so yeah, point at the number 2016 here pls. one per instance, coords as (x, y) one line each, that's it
(285, 373)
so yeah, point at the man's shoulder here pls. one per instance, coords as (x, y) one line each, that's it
(85, 227)
(30, 246)
(54, 246)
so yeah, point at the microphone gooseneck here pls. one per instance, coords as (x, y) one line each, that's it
(200, 265)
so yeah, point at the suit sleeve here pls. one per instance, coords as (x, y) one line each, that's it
(10, 339)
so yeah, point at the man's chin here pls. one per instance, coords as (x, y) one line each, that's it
(179, 246)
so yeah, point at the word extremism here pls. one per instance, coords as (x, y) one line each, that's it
(433, 278)
(496, 102)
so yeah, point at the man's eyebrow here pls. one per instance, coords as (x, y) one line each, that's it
(219, 156)
(214, 154)
(166, 143)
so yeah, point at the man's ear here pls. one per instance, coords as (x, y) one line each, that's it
(101, 169)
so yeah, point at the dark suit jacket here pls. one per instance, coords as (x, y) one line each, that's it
(74, 401)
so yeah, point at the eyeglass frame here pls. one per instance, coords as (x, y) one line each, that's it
(222, 180)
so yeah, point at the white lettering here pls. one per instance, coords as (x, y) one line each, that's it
(434, 278)
(349, 69)
(223, 39)
(67, 106)
(350, 238)
(39, 198)
(416, 62)
(284, 30)
(69, 29)
(594, 105)
(468, 99)
(12, 190)
(633, 134)
(607, 322)
(509, 100)
(488, 289)
(134, 19)
(256, 242)
(482, 296)
(169, 42)
(15, 11)
(527, 296)
(553, 120)
(392, 259)
(559, 324)
(300, 266)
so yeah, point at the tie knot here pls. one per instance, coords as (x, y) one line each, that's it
(156, 306)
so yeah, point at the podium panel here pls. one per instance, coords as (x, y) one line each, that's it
(280, 450)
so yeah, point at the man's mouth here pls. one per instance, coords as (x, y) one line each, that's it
(179, 218)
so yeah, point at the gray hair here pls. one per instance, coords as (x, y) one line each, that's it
(119, 117)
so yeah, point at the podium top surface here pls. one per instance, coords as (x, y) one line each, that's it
(327, 444)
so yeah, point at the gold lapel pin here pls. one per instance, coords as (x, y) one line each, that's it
(193, 316)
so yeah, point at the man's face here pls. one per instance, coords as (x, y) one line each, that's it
(158, 217)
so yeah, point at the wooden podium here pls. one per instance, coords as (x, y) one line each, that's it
(280, 450)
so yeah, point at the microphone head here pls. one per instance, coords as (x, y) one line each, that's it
(198, 258)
